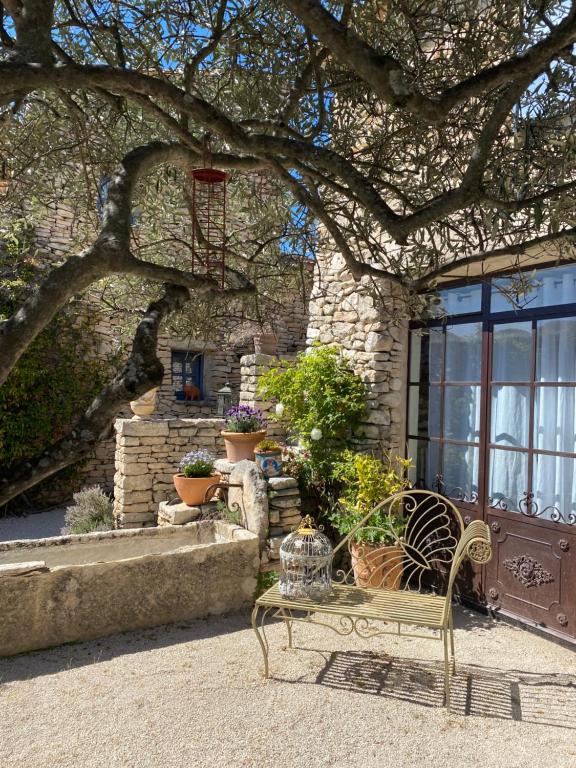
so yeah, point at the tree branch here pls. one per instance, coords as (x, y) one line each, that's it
(142, 371)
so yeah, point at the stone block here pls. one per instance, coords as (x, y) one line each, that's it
(252, 497)
(130, 468)
(281, 483)
(134, 482)
(178, 514)
(283, 492)
(285, 502)
(141, 428)
(136, 517)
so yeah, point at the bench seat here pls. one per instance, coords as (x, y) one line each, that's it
(403, 607)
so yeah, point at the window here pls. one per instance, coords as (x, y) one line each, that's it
(492, 397)
(187, 375)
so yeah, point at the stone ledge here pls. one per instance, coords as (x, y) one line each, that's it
(177, 514)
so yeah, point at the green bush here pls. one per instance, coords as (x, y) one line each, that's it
(365, 482)
(324, 400)
(92, 511)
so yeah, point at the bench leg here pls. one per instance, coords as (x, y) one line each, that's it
(446, 670)
(261, 635)
(286, 615)
(452, 644)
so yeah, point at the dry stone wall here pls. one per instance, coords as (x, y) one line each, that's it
(147, 455)
(368, 320)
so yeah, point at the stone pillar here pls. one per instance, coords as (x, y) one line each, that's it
(368, 320)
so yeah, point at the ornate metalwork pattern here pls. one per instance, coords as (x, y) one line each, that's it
(528, 507)
(528, 571)
(434, 536)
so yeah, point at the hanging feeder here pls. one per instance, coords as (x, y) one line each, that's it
(208, 223)
(306, 563)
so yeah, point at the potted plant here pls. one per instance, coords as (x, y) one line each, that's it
(268, 454)
(377, 557)
(196, 474)
(245, 428)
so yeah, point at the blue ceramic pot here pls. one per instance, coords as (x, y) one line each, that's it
(270, 463)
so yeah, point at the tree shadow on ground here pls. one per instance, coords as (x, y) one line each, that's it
(543, 699)
(26, 666)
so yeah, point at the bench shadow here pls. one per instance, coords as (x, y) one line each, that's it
(543, 699)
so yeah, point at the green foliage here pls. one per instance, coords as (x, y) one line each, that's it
(265, 581)
(268, 446)
(320, 391)
(92, 511)
(227, 514)
(366, 481)
(60, 372)
(197, 464)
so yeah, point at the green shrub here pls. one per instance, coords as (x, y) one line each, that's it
(92, 511)
(323, 400)
(365, 482)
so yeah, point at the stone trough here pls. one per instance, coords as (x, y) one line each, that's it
(71, 588)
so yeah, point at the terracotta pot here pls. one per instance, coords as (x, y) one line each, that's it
(146, 404)
(266, 344)
(270, 462)
(240, 445)
(192, 490)
(376, 565)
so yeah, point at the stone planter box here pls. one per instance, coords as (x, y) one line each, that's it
(71, 588)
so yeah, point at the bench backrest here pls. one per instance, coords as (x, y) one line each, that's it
(414, 540)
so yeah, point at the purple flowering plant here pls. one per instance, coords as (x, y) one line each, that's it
(197, 464)
(243, 418)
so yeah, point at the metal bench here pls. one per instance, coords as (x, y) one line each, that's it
(411, 582)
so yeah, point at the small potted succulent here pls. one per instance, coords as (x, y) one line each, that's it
(245, 427)
(196, 474)
(268, 455)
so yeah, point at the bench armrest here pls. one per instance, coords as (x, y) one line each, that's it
(475, 543)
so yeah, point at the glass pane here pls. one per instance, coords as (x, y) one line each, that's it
(462, 413)
(509, 416)
(546, 288)
(463, 352)
(512, 352)
(456, 301)
(554, 487)
(460, 471)
(508, 481)
(556, 350)
(424, 456)
(424, 411)
(415, 354)
(555, 419)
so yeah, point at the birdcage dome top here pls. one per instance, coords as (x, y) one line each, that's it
(307, 541)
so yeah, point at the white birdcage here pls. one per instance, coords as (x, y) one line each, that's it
(306, 563)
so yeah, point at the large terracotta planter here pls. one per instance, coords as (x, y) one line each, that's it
(376, 565)
(240, 445)
(192, 490)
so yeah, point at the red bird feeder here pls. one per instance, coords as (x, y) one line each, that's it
(209, 222)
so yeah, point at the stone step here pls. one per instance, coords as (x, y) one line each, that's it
(177, 514)
(281, 483)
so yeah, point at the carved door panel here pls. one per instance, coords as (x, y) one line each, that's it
(533, 572)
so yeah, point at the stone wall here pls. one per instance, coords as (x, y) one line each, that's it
(147, 455)
(368, 320)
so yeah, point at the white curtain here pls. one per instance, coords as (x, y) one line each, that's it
(554, 478)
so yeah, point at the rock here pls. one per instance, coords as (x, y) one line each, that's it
(178, 514)
(224, 466)
(280, 483)
(272, 494)
(285, 503)
(273, 516)
(251, 498)
(17, 569)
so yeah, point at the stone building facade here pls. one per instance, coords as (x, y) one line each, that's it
(368, 320)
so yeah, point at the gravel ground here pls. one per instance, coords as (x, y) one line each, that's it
(191, 695)
(38, 525)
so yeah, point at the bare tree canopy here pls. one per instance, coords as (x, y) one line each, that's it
(415, 133)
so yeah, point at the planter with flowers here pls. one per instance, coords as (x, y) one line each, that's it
(268, 455)
(245, 427)
(377, 557)
(196, 475)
